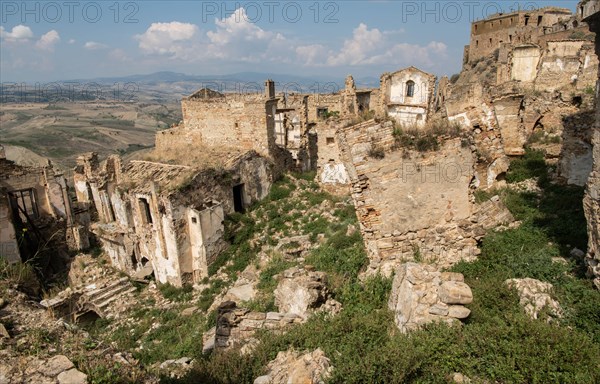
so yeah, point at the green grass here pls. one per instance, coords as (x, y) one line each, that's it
(531, 165)
(176, 294)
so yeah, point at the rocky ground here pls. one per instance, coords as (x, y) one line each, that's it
(158, 330)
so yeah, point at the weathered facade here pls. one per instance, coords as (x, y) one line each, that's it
(169, 217)
(35, 208)
(408, 96)
(520, 27)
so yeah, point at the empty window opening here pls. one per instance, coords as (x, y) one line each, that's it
(238, 198)
(476, 26)
(322, 113)
(526, 20)
(540, 19)
(410, 88)
(145, 210)
(237, 125)
(144, 261)
(419, 117)
(477, 43)
(510, 38)
(194, 220)
(330, 141)
(25, 202)
(491, 42)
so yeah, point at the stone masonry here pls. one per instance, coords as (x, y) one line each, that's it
(421, 294)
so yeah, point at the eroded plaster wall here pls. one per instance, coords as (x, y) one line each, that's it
(408, 96)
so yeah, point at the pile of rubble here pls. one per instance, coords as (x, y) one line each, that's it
(421, 294)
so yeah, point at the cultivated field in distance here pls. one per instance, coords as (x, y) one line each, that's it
(61, 131)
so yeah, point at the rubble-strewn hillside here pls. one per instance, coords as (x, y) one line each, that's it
(286, 302)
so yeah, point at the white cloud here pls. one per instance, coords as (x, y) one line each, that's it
(93, 45)
(19, 33)
(372, 47)
(311, 54)
(363, 43)
(166, 38)
(48, 40)
(119, 55)
(234, 40)
(72, 41)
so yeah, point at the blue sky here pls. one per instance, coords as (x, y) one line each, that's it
(58, 40)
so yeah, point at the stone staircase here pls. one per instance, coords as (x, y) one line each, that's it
(99, 299)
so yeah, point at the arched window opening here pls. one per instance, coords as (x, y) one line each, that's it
(410, 88)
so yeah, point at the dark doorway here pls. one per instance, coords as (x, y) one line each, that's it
(238, 198)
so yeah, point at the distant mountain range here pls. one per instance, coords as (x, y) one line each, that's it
(171, 86)
(242, 77)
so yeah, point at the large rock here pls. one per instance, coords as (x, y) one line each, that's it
(300, 291)
(72, 376)
(56, 365)
(292, 368)
(535, 296)
(421, 294)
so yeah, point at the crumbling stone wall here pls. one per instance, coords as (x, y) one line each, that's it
(591, 200)
(35, 200)
(236, 326)
(513, 28)
(240, 121)
(421, 294)
(413, 205)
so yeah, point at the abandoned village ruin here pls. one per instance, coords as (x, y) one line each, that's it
(524, 74)
(411, 154)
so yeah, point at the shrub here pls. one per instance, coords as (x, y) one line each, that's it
(376, 152)
(176, 294)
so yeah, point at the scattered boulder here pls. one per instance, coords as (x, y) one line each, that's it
(291, 367)
(3, 332)
(72, 376)
(176, 368)
(237, 326)
(535, 296)
(301, 291)
(56, 365)
(421, 294)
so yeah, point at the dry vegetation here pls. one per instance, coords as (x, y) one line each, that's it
(62, 131)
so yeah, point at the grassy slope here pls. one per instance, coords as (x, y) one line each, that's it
(498, 343)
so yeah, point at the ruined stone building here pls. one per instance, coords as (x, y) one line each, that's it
(520, 27)
(36, 212)
(408, 96)
(532, 81)
(165, 214)
(168, 219)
